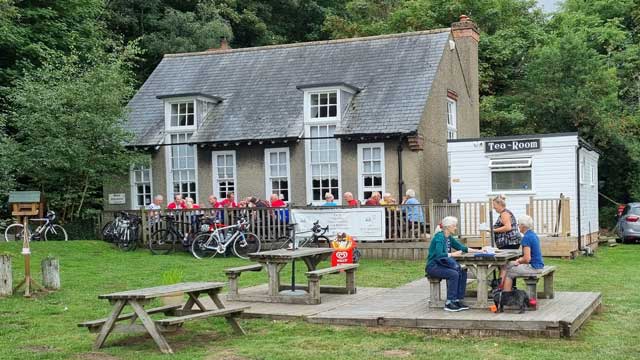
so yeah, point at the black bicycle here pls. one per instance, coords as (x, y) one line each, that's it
(165, 241)
(317, 236)
(123, 231)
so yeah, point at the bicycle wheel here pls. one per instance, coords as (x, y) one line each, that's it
(108, 232)
(321, 241)
(14, 232)
(162, 242)
(204, 246)
(246, 244)
(285, 242)
(129, 240)
(55, 233)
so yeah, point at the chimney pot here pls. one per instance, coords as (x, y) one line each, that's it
(464, 17)
(224, 44)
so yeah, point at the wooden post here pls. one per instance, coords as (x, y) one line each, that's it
(432, 221)
(51, 273)
(566, 217)
(483, 219)
(6, 280)
(26, 251)
(143, 224)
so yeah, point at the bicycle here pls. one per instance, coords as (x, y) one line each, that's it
(163, 241)
(317, 235)
(125, 231)
(243, 242)
(47, 231)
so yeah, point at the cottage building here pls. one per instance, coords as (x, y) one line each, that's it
(360, 115)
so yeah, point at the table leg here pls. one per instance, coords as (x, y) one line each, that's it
(232, 321)
(481, 273)
(108, 325)
(273, 269)
(193, 300)
(151, 327)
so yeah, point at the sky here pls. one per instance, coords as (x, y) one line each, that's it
(549, 5)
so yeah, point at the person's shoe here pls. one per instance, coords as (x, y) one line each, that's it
(461, 305)
(451, 307)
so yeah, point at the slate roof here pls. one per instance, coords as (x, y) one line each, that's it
(259, 87)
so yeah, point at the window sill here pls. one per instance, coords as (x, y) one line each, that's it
(512, 192)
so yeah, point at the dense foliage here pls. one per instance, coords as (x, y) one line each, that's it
(575, 70)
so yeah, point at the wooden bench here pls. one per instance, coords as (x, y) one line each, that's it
(435, 295)
(94, 325)
(315, 276)
(532, 283)
(233, 274)
(171, 323)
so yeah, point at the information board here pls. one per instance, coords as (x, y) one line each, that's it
(366, 224)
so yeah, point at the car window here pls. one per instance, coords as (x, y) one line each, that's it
(635, 211)
(626, 210)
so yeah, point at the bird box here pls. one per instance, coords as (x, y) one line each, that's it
(26, 203)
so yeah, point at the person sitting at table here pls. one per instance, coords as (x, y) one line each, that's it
(329, 200)
(505, 229)
(348, 198)
(441, 264)
(414, 212)
(374, 200)
(531, 260)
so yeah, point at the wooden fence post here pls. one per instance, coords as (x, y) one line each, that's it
(566, 217)
(143, 224)
(51, 273)
(432, 222)
(6, 279)
(483, 219)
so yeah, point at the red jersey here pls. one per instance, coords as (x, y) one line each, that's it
(228, 203)
(278, 203)
(372, 202)
(172, 206)
(352, 203)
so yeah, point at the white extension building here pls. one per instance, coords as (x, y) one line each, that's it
(521, 167)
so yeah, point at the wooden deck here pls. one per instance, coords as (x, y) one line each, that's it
(407, 307)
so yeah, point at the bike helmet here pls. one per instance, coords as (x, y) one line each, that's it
(51, 214)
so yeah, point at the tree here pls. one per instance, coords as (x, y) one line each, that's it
(66, 118)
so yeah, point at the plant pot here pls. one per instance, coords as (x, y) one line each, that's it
(173, 299)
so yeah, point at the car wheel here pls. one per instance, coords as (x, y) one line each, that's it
(619, 240)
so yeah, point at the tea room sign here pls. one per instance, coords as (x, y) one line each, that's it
(511, 145)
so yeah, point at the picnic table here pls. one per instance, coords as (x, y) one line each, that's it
(138, 298)
(274, 261)
(482, 266)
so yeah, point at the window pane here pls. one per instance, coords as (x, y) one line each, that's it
(323, 112)
(333, 98)
(323, 99)
(190, 107)
(333, 111)
(511, 180)
(314, 99)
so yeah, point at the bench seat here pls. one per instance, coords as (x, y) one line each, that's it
(97, 324)
(315, 276)
(229, 313)
(532, 283)
(234, 273)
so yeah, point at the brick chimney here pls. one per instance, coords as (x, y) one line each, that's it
(466, 36)
(224, 45)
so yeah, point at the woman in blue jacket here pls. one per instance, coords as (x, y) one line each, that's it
(441, 264)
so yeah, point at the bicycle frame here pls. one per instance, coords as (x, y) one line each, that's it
(224, 241)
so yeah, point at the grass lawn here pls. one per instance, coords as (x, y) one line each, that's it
(44, 327)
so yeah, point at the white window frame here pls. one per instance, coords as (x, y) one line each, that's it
(322, 122)
(267, 171)
(214, 170)
(361, 187)
(592, 173)
(169, 168)
(134, 188)
(167, 114)
(452, 118)
(507, 165)
(583, 165)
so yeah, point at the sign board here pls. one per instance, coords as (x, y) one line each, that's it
(117, 199)
(365, 224)
(511, 145)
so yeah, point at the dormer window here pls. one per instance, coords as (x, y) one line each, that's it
(182, 114)
(324, 105)
(187, 111)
